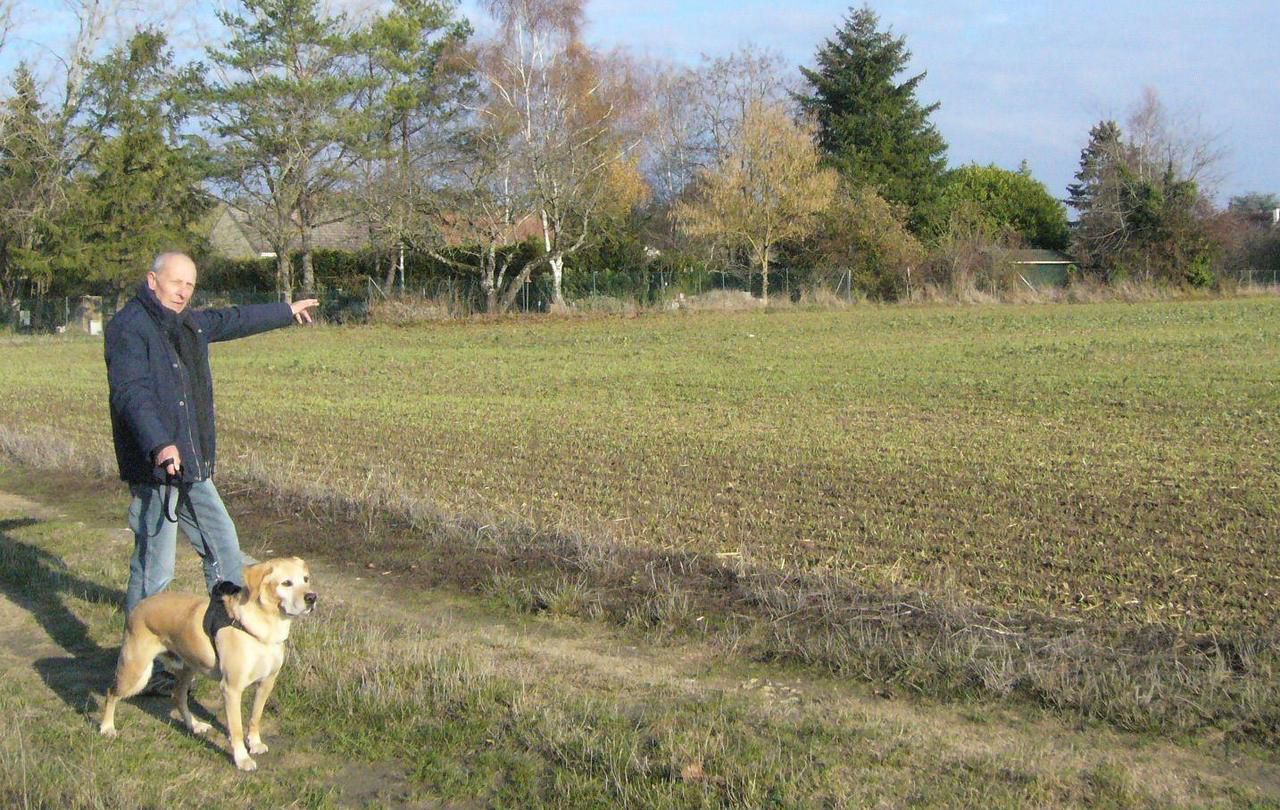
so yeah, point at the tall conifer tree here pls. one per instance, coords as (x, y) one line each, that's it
(30, 172)
(282, 99)
(1098, 161)
(137, 193)
(871, 125)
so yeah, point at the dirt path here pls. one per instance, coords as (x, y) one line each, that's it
(23, 640)
(594, 658)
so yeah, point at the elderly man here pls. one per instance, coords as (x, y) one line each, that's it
(162, 421)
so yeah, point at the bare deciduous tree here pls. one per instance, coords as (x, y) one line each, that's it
(1162, 142)
(483, 212)
(697, 113)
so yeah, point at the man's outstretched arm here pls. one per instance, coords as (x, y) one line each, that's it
(241, 321)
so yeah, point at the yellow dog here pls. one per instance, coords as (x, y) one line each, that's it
(237, 635)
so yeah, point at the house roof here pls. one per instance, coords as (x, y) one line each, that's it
(456, 231)
(1271, 217)
(231, 234)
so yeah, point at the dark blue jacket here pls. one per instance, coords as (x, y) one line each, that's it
(150, 390)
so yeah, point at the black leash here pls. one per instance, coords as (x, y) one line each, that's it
(172, 482)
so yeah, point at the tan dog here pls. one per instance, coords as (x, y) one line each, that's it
(247, 645)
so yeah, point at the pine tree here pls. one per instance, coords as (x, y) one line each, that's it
(137, 191)
(30, 174)
(417, 92)
(870, 125)
(288, 120)
(1100, 157)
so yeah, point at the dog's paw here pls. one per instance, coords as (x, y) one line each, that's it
(246, 764)
(258, 747)
(108, 731)
(200, 727)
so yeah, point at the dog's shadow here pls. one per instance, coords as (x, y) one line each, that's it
(42, 584)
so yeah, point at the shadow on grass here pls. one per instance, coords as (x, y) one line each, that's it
(41, 583)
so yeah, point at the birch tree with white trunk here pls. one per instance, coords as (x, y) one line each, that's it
(563, 107)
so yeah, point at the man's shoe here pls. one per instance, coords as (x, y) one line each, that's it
(161, 684)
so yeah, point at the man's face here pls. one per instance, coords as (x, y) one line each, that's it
(175, 283)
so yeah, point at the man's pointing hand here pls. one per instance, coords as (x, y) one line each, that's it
(300, 313)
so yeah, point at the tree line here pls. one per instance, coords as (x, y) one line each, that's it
(528, 153)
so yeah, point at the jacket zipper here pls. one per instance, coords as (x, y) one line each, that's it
(185, 377)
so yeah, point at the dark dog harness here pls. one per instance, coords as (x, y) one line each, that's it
(216, 616)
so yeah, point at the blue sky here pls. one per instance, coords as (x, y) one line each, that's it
(1016, 79)
(1023, 79)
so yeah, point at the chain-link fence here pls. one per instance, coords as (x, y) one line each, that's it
(88, 314)
(462, 295)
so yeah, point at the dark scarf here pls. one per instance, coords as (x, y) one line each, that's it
(183, 336)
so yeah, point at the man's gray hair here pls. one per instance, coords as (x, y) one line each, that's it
(158, 265)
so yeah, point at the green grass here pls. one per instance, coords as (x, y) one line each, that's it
(374, 710)
(1113, 460)
(1076, 504)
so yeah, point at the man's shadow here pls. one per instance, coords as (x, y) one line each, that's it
(41, 583)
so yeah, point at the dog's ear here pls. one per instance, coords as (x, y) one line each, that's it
(255, 575)
(226, 588)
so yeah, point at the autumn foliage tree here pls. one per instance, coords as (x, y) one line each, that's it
(697, 112)
(766, 188)
(866, 236)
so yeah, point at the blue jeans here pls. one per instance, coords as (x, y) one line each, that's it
(204, 521)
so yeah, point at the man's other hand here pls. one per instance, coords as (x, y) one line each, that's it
(300, 313)
(167, 455)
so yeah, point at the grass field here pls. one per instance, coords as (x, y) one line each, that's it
(1102, 460)
(1076, 504)
(395, 695)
